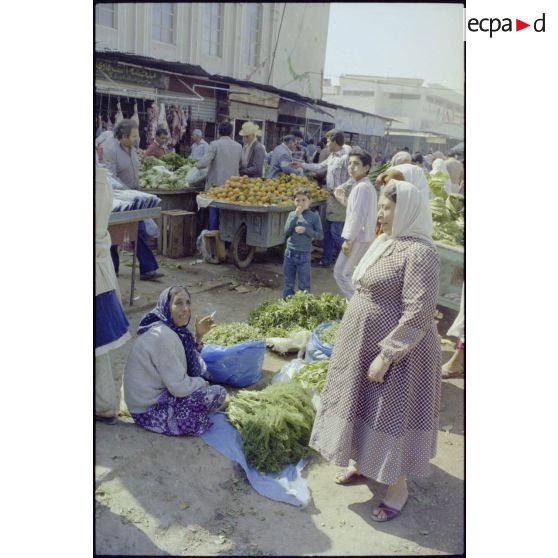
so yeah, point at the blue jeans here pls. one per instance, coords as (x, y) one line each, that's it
(213, 217)
(332, 238)
(146, 258)
(296, 263)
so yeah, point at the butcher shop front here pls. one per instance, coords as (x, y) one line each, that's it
(152, 92)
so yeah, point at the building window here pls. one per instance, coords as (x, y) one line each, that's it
(253, 34)
(404, 96)
(104, 15)
(212, 29)
(163, 23)
(358, 93)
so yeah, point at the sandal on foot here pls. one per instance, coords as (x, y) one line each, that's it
(390, 513)
(347, 476)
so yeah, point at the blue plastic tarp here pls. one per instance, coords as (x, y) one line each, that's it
(288, 486)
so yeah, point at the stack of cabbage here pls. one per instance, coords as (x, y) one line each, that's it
(448, 212)
(167, 173)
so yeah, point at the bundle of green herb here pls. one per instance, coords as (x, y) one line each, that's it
(233, 333)
(313, 375)
(278, 318)
(328, 335)
(275, 424)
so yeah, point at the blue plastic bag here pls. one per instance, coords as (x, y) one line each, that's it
(317, 349)
(239, 365)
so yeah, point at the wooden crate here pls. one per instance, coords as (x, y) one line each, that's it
(178, 233)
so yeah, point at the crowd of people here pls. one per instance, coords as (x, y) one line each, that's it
(379, 410)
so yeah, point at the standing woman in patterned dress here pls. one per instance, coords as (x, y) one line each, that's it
(379, 410)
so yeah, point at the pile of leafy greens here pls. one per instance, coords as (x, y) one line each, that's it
(231, 334)
(328, 335)
(448, 212)
(313, 375)
(278, 318)
(275, 425)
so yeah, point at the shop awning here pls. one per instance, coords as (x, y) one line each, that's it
(359, 122)
(247, 111)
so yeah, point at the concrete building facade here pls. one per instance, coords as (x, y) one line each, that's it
(278, 44)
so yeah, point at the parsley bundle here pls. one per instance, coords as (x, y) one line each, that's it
(275, 425)
(300, 311)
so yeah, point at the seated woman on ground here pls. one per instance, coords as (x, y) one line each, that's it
(164, 387)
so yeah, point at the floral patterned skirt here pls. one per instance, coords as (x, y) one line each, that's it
(182, 416)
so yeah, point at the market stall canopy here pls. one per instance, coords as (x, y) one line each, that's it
(147, 62)
(253, 104)
(360, 122)
(459, 148)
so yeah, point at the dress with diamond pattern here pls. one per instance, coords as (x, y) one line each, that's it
(390, 428)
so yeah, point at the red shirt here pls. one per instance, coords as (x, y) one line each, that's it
(155, 150)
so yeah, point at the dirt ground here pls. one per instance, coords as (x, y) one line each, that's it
(158, 496)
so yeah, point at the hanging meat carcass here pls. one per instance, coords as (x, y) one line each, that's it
(119, 116)
(135, 116)
(174, 127)
(152, 118)
(183, 121)
(162, 120)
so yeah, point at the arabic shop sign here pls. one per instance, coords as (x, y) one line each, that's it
(141, 76)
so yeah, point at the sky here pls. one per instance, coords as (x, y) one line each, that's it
(397, 40)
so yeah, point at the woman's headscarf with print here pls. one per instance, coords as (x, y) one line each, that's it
(161, 315)
(412, 218)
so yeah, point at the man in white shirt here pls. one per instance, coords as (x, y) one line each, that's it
(200, 146)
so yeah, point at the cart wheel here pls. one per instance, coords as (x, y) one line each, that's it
(242, 253)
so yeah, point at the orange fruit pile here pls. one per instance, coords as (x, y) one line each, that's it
(257, 191)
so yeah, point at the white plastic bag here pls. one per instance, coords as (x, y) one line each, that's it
(195, 175)
(288, 371)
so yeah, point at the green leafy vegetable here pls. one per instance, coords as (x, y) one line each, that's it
(313, 375)
(173, 160)
(275, 424)
(448, 212)
(328, 335)
(376, 170)
(277, 318)
(233, 333)
(151, 161)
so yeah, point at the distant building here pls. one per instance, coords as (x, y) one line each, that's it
(428, 116)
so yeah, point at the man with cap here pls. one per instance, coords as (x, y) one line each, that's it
(200, 146)
(253, 152)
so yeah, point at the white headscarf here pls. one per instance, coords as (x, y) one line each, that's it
(415, 175)
(401, 157)
(412, 218)
(439, 165)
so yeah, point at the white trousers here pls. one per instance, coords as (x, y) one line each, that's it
(108, 383)
(345, 267)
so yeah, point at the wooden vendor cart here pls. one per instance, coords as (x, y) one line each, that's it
(248, 227)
